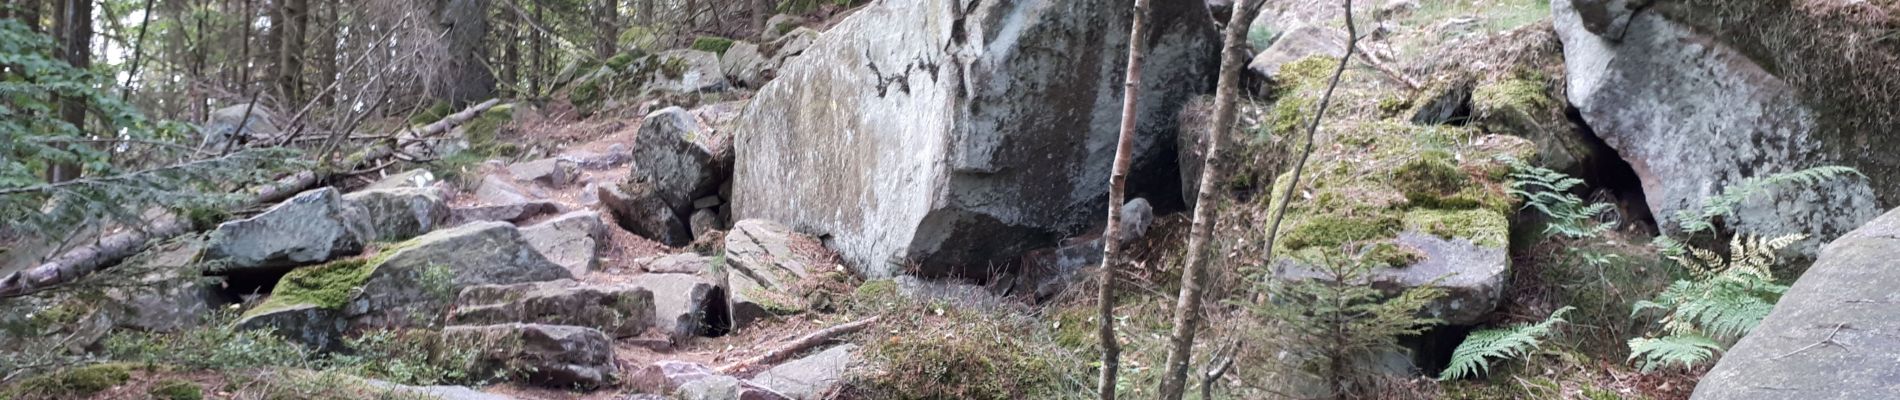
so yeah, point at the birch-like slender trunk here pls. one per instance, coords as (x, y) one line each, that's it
(1187, 310)
(1117, 181)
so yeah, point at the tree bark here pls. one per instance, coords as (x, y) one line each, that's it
(75, 33)
(510, 53)
(464, 33)
(537, 43)
(1117, 181)
(606, 27)
(1187, 310)
(295, 15)
(326, 48)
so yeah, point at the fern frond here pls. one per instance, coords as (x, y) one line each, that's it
(1700, 219)
(1682, 350)
(1473, 356)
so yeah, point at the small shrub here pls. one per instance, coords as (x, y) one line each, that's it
(939, 351)
(216, 345)
(70, 383)
(410, 357)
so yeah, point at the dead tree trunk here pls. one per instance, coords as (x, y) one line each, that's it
(82, 261)
(290, 42)
(1117, 181)
(1187, 310)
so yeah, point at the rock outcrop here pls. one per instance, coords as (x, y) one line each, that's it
(809, 378)
(312, 227)
(409, 283)
(158, 290)
(922, 131)
(1834, 335)
(686, 305)
(571, 240)
(620, 311)
(549, 355)
(1695, 111)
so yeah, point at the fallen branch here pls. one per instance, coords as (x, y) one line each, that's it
(804, 343)
(77, 263)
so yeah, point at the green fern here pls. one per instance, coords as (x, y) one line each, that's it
(1549, 192)
(1680, 350)
(1729, 296)
(1701, 219)
(1473, 356)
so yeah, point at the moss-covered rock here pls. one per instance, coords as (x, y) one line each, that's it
(408, 283)
(70, 383)
(714, 44)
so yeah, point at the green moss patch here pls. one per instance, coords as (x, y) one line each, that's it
(714, 44)
(177, 389)
(71, 383)
(1484, 227)
(329, 285)
(1332, 231)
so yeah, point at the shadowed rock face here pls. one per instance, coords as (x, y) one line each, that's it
(959, 134)
(1693, 115)
(1834, 335)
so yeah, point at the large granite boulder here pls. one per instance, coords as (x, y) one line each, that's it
(409, 283)
(686, 305)
(638, 208)
(1296, 44)
(309, 228)
(400, 213)
(1834, 335)
(674, 156)
(958, 137)
(550, 355)
(766, 268)
(620, 311)
(687, 71)
(809, 378)
(1696, 100)
(571, 240)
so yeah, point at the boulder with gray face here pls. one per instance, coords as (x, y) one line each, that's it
(1298, 44)
(553, 172)
(549, 355)
(309, 228)
(1729, 117)
(571, 240)
(811, 377)
(420, 277)
(926, 131)
(673, 156)
(235, 125)
(638, 209)
(686, 71)
(620, 311)
(686, 305)
(399, 214)
(409, 283)
(1834, 335)
(683, 263)
(744, 64)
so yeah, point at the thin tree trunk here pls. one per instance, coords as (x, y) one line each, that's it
(138, 52)
(1117, 181)
(75, 31)
(1187, 310)
(326, 49)
(606, 20)
(29, 12)
(1312, 129)
(510, 53)
(537, 43)
(290, 41)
